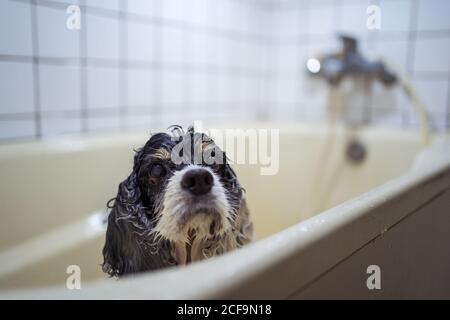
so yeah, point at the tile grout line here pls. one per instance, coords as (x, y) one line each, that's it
(447, 122)
(154, 20)
(186, 78)
(123, 67)
(412, 40)
(373, 38)
(157, 77)
(35, 70)
(84, 112)
(160, 71)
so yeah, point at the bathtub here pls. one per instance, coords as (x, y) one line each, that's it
(316, 238)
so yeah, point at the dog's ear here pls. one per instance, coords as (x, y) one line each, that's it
(128, 247)
(119, 252)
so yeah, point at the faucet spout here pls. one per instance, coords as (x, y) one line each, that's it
(350, 62)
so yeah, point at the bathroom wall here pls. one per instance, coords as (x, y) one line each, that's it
(414, 37)
(139, 63)
(132, 64)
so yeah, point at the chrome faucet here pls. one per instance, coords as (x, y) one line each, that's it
(343, 102)
(349, 62)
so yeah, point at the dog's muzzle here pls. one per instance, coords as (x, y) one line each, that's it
(194, 199)
(197, 181)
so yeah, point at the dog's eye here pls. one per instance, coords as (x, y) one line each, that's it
(157, 171)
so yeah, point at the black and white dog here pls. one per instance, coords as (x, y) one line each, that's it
(175, 211)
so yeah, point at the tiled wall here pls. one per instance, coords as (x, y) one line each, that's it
(131, 65)
(414, 38)
(137, 63)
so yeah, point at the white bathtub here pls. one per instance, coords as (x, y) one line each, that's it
(316, 238)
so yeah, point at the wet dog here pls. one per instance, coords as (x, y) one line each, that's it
(177, 206)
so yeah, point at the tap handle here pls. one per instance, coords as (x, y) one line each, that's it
(349, 44)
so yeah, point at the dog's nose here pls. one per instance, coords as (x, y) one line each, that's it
(197, 181)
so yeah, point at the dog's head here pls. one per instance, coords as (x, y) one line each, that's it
(181, 201)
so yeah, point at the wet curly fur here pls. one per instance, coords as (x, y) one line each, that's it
(153, 224)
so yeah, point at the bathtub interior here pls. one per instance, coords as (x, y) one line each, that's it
(47, 188)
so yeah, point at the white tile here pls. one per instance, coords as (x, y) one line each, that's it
(321, 3)
(257, 56)
(66, 2)
(286, 111)
(171, 114)
(217, 16)
(141, 41)
(395, 15)
(16, 129)
(367, 46)
(199, 86)
(140, 122)
(140, 88)
(251, 90)
(15, 28)
(212, 88)
(315, 112)
(173, 45)
(200, 48)
(314, 93)
(408, 115)
(434, 15)
(320, 48)
(226, 16)
(60, 87)
(242, 17)
(432, 55)
(283, 24)
(224, 57)
(217, 53)
(60, 125)
(143, 7)
(321, 20)
(139, 110)
(353, 18)
(179, 10)
(55, 39)
(176, 117)
(395, 52)
(102, 37)
(291, 58)
(241, 55)
(267, 24)
(438, 121)
(105, 4)
(173, 91)
(433, 94)
(16, 87)
(434, 97)
(224, 93)
(102, 123)
(235, 89)
(199, 11)
(103, 87)
(287, 91)
(384, 102)
(391, 120)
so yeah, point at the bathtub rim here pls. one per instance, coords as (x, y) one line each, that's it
(79, 142)
(371, 213)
